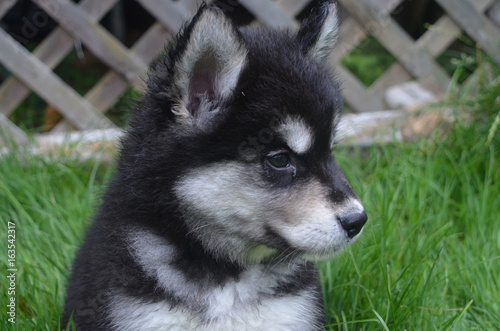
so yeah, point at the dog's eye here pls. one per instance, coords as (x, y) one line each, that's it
(279, 160)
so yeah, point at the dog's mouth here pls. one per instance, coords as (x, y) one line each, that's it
(263, 253)
(329, 252)
(323, 246)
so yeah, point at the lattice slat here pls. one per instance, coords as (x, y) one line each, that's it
(189, 7)
(170, 14)
(10, 132)
(292, 7)
(5, 5)
(270, 14)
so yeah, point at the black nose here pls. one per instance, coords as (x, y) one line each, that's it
(353, 223)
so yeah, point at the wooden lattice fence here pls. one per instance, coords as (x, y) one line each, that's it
(33, 71)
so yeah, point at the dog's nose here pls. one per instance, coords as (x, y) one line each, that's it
(353, 223)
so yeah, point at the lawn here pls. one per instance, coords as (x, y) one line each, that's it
(429, 257)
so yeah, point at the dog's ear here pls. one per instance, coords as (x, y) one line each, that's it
(207, 62)
(319, 31)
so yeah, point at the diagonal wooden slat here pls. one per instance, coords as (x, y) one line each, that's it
(49, 86)
(51, 51)
(386, 7)
(494, 14)
(292, 7)
(97, 39)
(475, 24)
(190, 7)
(270, 14)
(10, 132)
(5, 5)
(168, 13)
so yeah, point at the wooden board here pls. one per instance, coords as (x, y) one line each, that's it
(5, 5)
(270, 14)
(168, 13)
(10, 132)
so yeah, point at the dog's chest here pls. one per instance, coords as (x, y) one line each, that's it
(282, 313)
(278, 296)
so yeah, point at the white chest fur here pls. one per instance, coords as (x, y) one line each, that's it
(248, 302)
(286, 313)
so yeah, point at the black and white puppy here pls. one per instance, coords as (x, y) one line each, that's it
(225, 188)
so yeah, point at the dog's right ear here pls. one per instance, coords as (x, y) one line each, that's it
(318, 33)
(207, 61)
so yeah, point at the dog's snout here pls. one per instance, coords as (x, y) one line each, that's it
(353, 222)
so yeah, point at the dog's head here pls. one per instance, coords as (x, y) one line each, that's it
(236, 132)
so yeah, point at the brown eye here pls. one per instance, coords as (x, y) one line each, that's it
(279, 160)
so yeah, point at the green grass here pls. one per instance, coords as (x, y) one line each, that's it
(51, 203)
(429, 258)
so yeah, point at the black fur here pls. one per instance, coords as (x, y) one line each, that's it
(277, 79)
(309, 32)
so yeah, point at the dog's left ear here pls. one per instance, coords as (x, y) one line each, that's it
(319, 31)
(210, 56)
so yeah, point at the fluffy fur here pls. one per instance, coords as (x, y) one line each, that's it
(225, 188)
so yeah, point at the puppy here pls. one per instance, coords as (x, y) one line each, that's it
(225, 189)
